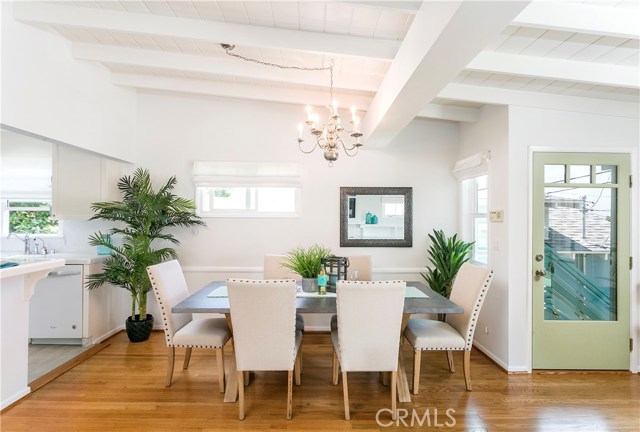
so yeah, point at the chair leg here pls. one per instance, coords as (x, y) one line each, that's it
(187, 358)
(297, 367)
(345, 391)
(247, 377)
(417, 356)
(289, 394)
(334, 377)
(394, 380)
(171, 357)
(450, 361)
(220, 362)
(467, 369)
(241, 394)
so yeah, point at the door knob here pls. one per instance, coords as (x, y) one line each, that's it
(540, 273)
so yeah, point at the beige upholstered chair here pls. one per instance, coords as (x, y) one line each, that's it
(368, 333)
(361, 264)
(180, 329)
(273, 269)
(456, 334)
(263, 316)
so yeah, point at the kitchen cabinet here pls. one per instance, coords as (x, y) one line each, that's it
(80, 178)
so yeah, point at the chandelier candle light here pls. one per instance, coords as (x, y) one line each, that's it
(328, 136)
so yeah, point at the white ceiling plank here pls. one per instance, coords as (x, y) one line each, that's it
(226, 89)
(448, 112)
(541, 67)
(239, 34)
(491, 95)
(222, 66)
(404, 7)
(425, 62)
(581, 18)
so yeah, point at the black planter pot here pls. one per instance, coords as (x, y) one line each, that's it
(139, 331)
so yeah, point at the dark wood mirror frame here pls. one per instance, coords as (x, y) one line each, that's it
(346, 192)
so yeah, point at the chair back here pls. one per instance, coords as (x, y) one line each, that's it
(273, 268)
(170, 288)
(469, 291)
(361, 264)
(263, 317)
(369, 321)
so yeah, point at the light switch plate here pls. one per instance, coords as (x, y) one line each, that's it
(496, 215)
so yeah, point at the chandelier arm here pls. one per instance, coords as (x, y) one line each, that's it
(350, 151)
(305, 151)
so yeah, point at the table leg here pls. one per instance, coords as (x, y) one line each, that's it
(231, 392)
(403, 383)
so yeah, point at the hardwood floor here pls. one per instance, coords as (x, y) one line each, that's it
(122, 388)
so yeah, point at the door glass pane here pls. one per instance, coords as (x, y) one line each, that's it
(580, 174)
(580, 257)
(554, 173)
(606, 174)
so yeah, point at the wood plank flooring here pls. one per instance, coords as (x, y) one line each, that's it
(122, 388)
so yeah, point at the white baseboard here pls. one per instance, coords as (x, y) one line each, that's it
(15, 397)
(499, 361)
(108, 335)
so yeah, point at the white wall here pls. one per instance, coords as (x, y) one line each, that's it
(490, 132)
(175, 131)
(46, 92)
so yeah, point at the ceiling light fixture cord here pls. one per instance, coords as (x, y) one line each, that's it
(328, 135)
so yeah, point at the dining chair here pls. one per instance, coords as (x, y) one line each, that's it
(273, 269)
(367, 337)
(360, 264)
(263, 317)
(456, 332)
(180, 329)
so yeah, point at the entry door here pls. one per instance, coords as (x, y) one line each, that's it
(581, 261)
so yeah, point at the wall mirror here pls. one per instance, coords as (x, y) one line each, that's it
(376, 216)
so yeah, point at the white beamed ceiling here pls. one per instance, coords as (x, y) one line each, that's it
(583, 53)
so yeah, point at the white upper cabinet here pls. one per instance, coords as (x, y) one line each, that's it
(79, 179)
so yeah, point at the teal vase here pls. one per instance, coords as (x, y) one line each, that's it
(367, 218)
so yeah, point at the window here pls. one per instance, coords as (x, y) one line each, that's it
(475, 216)
(393, 206)
(472, 174)
(226, 189)
(28, 216)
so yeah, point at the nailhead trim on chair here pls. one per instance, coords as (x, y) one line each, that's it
(469, 338)
(270, 281)
(165, 322)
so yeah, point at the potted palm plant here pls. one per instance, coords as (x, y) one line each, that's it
(144, 215)
(307, 262)
(446, 255)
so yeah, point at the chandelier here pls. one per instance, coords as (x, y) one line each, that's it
(328, 136)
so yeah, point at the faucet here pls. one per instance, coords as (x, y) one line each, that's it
(25, 240)
(44, 249)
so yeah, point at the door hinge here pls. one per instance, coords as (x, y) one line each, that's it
(630, 263)
(630, 344)
(630, 181)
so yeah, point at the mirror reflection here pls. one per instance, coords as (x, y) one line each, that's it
(377, 216)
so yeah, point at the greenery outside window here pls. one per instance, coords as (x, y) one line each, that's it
(28, 216)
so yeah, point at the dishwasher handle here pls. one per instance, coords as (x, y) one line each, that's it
(62, 273)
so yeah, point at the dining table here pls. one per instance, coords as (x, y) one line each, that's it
(419, 299)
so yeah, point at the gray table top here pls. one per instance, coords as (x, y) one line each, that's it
(200, 303)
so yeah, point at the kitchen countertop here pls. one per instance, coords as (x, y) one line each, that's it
(68, 257)
(30, 265)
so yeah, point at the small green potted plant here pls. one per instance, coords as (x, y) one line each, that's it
(143, 215)
(307, 262)
(446, 255)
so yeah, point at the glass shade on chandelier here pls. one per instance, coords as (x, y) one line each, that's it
(328, 136)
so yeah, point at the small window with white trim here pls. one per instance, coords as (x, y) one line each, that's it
(244, 189)
(474, 203)
(28, 216)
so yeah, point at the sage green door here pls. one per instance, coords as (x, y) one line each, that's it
(581, 261)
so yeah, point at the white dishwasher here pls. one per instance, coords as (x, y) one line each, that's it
(55, 309)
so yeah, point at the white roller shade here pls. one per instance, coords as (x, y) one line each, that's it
(472, 166)
(229, 174)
